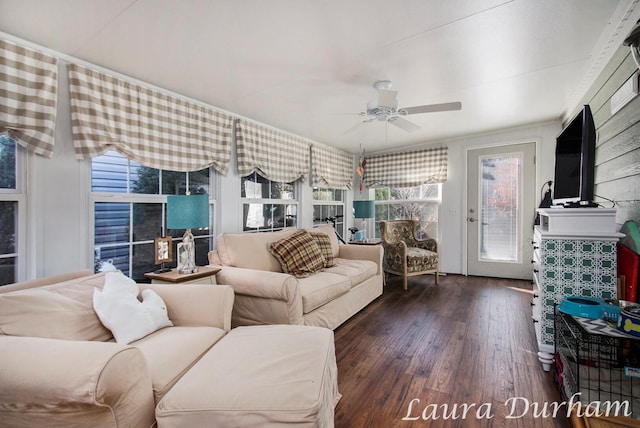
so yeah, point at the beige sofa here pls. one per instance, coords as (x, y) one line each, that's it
(59, 367)
(264, 294)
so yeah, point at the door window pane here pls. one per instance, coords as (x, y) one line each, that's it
(499, 201)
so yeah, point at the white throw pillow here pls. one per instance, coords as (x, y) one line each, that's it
(120, 311)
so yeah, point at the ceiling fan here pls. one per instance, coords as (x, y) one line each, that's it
(385, 108)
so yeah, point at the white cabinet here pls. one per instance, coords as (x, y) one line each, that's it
(574, 255)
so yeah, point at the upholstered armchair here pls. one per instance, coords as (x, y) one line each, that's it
(406, 255)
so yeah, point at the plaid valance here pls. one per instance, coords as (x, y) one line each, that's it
(408, 169)
(331, 168)
(275, 155)
(155, 129)
(28, 93)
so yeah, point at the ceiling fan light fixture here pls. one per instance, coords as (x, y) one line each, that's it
(382, 115)
(382, 84)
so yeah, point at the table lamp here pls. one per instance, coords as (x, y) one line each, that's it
(187, 212)
(364, 210)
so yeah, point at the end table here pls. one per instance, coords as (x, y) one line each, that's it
(205, 275)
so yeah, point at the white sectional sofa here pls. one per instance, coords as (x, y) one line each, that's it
(61, 367)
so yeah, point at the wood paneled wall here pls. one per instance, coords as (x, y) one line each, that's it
(618, 145)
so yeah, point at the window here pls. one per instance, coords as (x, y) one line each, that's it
(129, 202)
(499, 198)
(12, 201)
(418, 203)
(268, 205)
(328, 207)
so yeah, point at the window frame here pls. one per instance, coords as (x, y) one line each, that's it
(437, 201)
(340, 223)
(19, 195)
(132, 198)
(295, 201)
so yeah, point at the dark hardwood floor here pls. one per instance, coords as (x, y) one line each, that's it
(468, 341)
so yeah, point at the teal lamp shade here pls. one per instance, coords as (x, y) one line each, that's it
(187, 211)
(364, 209)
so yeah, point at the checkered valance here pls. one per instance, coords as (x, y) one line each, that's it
(155, 129)
(28, 91)
(407, 169)
(275, 155)
(331, 168)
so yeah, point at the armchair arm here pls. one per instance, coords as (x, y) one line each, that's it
(196, 304)
(262, 297)
(427, 243)
(395, 256)
(51, 382)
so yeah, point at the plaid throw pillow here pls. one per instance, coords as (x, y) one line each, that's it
(324, 242)
(298, 254)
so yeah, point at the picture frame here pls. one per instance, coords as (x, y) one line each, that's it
(162, 250)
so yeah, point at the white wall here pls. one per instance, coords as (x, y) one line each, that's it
(58, 201)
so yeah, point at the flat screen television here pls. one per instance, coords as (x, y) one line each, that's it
(573, 183)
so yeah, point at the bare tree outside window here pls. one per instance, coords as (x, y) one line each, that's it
(418, 203)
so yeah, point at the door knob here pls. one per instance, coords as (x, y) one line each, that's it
(472, 220)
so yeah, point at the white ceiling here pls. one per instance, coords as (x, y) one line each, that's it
(308, 67)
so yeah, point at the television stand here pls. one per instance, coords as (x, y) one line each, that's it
(574, 254)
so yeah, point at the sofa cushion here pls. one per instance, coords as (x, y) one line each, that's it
(357, 271)
(321, 288)
(119, 309)
(250, 250)
(47, 280)
(298, 254)
(58, 311)
(172, 351)
(324, 243)
(331, 233)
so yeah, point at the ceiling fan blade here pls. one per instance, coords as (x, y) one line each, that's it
(403, 124)
(430, 108)
(386, 98)
(357, 126)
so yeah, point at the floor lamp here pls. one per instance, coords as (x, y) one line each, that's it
(187, 212)
(364, 210)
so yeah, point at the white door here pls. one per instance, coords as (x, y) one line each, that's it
(500, 210)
